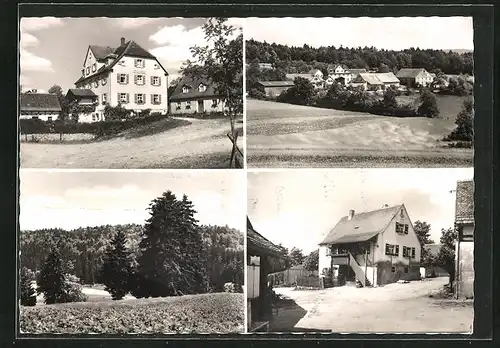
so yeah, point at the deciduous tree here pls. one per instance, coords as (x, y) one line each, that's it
(311, 262)
(428, 106)
(446, 256)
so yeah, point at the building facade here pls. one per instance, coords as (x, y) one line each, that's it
(373, 248)
(87, 99)
(464, 253)
(273, 89)
(127, 75)
(414, 77)
(42, 106)
(195, 95)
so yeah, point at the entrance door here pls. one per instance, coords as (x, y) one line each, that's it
(201, 106)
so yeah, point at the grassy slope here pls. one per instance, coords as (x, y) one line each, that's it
(206, 313)
(306, 136)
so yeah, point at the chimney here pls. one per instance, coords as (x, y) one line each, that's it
(351, 215)
(122, 41)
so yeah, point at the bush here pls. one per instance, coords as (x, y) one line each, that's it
(73, 289)
(428, 107)
(229, 287)
(464, 131)
(256, 93)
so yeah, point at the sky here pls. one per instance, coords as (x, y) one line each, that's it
(384, 32)
(298, 208)
(52, 50)
(72, 199)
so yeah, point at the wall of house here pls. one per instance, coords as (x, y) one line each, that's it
(391, 237)
(388, 273)
(89, 63)
(465, 265)
(324, 261)
(132, 88)
(424, 78)
(274, 92)
(181, 107)
(44, 116)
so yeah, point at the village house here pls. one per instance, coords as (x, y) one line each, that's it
(127, 75)
(340, 74)
(414, 77)
(41, 106)
(371, 248)
(195, 95)
(464, 253)
(315, 77)
(377, 81)
(263, 258)
(87, 98)
(273, 89)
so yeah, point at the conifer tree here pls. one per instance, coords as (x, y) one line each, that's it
(51, 281)
(171, 262)
(116, 271)
(28, 294)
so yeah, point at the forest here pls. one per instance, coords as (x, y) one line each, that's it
(83, 250)
(302, 59)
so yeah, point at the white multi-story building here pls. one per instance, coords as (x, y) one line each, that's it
(127, 75)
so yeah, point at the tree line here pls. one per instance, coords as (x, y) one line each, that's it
(171, 254)
(301, 59)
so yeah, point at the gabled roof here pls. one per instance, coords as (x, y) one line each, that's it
(409, 72)
(464, 206)
(255, 241)
(193, 93)
(276, 83)
(101, 52)
(304, 76)
(130, 48)
(379, 78)
(39, 102)
(361, 227)
(335, 66)
(357, 71)
(81, 92)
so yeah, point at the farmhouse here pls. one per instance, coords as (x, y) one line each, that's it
(377, 81)
(263, 258)
(414, 77)
(273, 89)
(340, 74)
(464, 223)
(372, 248)
(195, 95)
(87, 98)
(316, 79)
(127, 75)
(41, 106)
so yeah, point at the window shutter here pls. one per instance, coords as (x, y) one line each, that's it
(118, 98)
(397, 250)
(126, 79)
(118, 78)
(127, 98)
(151, 81)
(159, 98)
(135, 79)
(159, 81)
(135, 98)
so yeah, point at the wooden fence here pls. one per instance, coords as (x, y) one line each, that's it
(291, 277)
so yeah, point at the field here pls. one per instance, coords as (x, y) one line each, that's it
(285, 135)
(206, 313)
(394, 308)
(193, 143)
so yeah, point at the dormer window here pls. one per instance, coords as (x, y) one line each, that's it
(202, 88)
(185, 89)
(139, 63)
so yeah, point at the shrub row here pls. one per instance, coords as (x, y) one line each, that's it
(102, 128)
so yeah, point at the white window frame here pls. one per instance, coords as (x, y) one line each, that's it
(104, 98)
(104, 81)
(142, 77)
(140, 96)
(156, 99)
(157, 66)
(124, 80)
(188, 104)
(202, 88)
(139, 63)
(123, 100)
(177, 106)
(185, 89)
(215, 102)
(87, 70)
(96, 84)
(155, 80)
(94, 67)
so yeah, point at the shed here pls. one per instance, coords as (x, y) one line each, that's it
(43, 106)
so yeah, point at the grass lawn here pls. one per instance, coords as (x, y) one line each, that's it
(285, 135)
(205, 313)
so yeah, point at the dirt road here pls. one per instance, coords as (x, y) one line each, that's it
(202, 144)
(402, 308)
(284, 135)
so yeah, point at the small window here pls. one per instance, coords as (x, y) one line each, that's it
(94, 117)
(139, 98)
(49, 118)
(123, 97)
(139, 80)
(156, 99)
(155, 80)
(185, 89)
(177, 106)
(123, 79)
(122, 62)
(96, 84)
(94, 67)
(104, 98)
(139, 63)
(188, 105)
(412, 253)
(402, 213)
(104, 81)
(406, 229)
(393, 269)
(156, 66)
(202, 88)
(88, 70)
(214, 103)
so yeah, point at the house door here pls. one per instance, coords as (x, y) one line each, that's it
(201, 106)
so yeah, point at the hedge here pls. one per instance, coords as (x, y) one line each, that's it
(102, 128)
